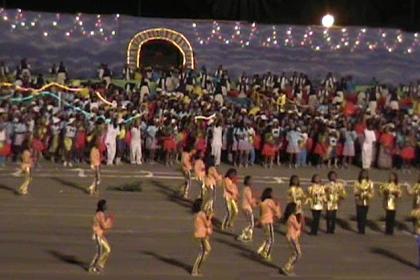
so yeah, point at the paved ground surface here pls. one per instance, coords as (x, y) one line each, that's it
(46, 235)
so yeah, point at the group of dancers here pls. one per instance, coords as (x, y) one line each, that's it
(319, 196)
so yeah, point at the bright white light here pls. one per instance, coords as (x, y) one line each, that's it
(213, 31)
(343, 30)
(101, 30)
(77, 18)
(268, 39)
(338, 46)
(227, 42)
(329, 39)
(113, 32)
(92, 32)
(22, 23)
(45, 34)
(409, 50)
(289, 32)
(327, 21)
(383, 35)
(416, 35)
(33, 23)
(218, 28)
(363, 30)
(357, 42)
(253, 24)
(238, 32)
(317, 48)
(5, 18)
(194, 25)
(80, 23)
(54, 23)
(13, 26)
(118, 15)
(201, 42)
(247, 43)
(275, 42)
(236, 27)
(67, 34)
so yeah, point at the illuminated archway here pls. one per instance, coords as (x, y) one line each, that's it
(175, 38)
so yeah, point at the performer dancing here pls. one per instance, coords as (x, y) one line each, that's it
(415, 214)
(95, 165)
(231, 197)
(186, 162)
(102, 223)
(391, 192)
(26, 169)
(249, 202)
(363, 193)
(415, 192)
(295, 194)
(316, 199)
(203, 229)
(334, 192)
(294, 228)
(208, 191)
(269, 210)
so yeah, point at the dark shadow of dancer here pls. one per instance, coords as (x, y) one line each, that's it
(391, 255)
(71, 184)
(402, 226)
(246, 252)
(12, 190)
(70, 259)
(373, 226)
(172, 195)
(168, 260)
(344, 224)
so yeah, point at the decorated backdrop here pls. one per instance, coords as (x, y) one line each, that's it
(84, 41)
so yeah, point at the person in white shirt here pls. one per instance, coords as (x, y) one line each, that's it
(367, 147)
(111, 141)
(135, 145)
(216, 143)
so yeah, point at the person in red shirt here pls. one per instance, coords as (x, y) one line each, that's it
(102, 223)
(269, 212)
(203, 229)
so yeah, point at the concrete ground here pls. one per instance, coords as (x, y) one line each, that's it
(47, 235)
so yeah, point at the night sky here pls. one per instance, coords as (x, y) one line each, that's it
(404, 14)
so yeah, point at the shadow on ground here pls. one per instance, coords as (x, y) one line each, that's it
(7, 188)
(391, 255)
(128, 187)
(70, 184)
(168, 260)
(70, 259)
(246, 252)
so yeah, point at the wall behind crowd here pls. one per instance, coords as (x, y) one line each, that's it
(84, 41)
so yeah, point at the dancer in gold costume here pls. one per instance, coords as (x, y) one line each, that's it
(211, 179)
(316, 200)
(294, 222)
(249, 202)
(203, 229)
(295, 193)
(391, 191)
(335, 192)
(415, 215)
(363, 193)
(102, 223)
(269, 212)
(95, 165)
(186, 166)
(26, 170)
(231, 194)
